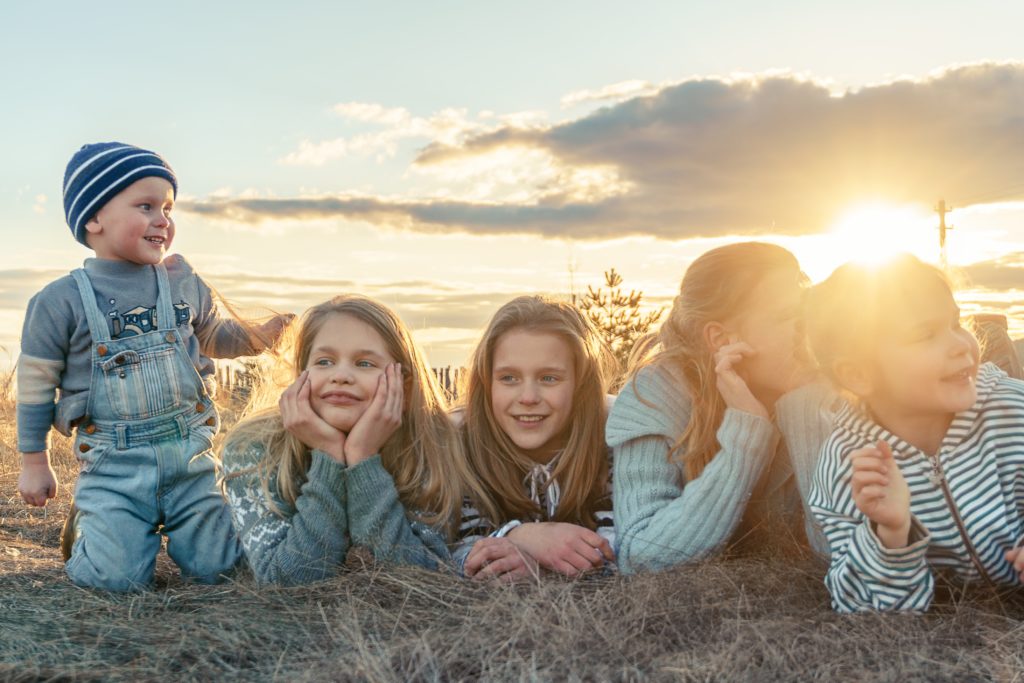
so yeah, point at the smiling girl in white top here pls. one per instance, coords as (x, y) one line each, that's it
(534, 429)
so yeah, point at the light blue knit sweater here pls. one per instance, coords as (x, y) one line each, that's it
(660, 519)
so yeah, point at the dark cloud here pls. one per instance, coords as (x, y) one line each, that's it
(710, 157)
(1003, 273)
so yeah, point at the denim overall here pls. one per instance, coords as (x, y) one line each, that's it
(144, 450)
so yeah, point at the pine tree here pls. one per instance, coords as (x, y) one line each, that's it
(617, 314)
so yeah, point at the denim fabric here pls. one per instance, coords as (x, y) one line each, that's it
(145, 454)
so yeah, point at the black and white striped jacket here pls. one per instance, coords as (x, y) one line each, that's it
(980, 468)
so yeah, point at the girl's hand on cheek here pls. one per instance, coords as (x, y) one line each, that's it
(561, 547)
(381, 419)
(881, 493)
(499, 558)
(301, 420)
(731, 383)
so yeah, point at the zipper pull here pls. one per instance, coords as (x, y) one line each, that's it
(937, 475)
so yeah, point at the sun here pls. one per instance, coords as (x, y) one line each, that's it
(871, 233)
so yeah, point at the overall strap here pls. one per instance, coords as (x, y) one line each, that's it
(165, 317)
(98, 326)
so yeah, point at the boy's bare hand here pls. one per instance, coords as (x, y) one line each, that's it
(273, 328)
(37, 482)
(881, 493)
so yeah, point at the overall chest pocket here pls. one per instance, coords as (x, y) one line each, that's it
(142, 384)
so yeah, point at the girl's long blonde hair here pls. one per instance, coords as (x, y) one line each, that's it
(582, 470)
(718, 285)
(424, 456)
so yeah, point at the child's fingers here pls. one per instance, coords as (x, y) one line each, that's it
(483, 551)
(393, 406)
(599, 544)
(398, 392)
(870, 493)
(868, 460)
(573, 565)
(588, 552)
(863, 478)
(885, 449)
(727, 361)
(380, 396)
(499, 567)
(1015, 556)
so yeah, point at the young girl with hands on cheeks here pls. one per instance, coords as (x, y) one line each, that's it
(696, 431)
(358, 451)
(922, 469)
(533, 422)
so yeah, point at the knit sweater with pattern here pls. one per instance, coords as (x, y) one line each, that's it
(337, 508)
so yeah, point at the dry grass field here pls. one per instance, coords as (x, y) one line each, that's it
(758, 615)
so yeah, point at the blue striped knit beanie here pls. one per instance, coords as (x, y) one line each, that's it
(97, 172)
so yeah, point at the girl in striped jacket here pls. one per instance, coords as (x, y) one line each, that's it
(924, 469)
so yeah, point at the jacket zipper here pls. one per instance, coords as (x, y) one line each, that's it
(940, 478)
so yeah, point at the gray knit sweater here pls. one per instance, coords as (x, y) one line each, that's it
(660, 519)
(337, 507)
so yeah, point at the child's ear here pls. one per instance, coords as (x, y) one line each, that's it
(854, 376)
(716, 336)
(93, 227)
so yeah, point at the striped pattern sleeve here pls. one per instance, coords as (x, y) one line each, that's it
(863, 573)
(472, 527)
(605, 518)
(37, 381)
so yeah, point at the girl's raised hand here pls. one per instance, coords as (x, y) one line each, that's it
(731, 385)
(562, 547)
(301, 420)
(881, 493)
(380, 420)
(499, 558)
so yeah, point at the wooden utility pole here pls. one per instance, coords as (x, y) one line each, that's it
(942, 210)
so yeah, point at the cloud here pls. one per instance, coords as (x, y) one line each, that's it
(1000, 274)
(614, 92)
(449, 125)
(18, 285)
(705, 157)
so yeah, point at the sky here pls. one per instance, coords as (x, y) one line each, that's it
(444, 157)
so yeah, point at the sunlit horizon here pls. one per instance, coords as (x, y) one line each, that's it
(432, 160)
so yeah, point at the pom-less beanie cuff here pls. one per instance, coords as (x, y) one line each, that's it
(98, 171)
